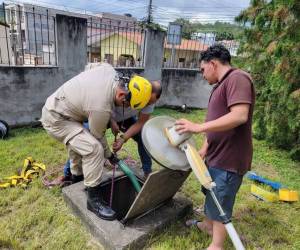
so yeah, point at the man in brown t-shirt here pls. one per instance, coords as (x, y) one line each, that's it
(227, 148)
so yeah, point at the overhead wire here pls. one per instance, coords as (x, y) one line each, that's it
(174, 11)
(192, 16)
(119, 4)
(201, 8)
(160, 13)
(163, 14)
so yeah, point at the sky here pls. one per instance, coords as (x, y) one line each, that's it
(164, 11)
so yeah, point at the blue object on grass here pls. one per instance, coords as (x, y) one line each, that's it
(255, 177)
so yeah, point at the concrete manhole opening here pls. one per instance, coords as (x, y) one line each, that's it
(124, 195)
(156, 191)
(139, 215)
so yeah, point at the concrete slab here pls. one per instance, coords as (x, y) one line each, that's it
(136, 232)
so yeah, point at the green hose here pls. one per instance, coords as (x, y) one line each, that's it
(130, 175)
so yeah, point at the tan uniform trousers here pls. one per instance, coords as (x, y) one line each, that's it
(85, 151)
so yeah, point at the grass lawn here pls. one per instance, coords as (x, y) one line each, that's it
(37, 217)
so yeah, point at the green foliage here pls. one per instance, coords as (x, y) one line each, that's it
(224, 36)
(295, 153)
(270, 48)
(221, 29)
(154, 26)
(188, 28)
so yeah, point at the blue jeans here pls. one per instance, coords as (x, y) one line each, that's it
(145, 158)
(228, 184)
(124, 126)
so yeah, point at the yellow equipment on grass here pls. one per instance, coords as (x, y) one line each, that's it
(288, 195)
(31, 169)
(264, 194)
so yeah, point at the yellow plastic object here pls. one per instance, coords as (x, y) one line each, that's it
(31, 169)
(264, 194)
(288, 195)
(198, 166)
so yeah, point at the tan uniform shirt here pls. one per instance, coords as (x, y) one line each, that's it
(88, 96)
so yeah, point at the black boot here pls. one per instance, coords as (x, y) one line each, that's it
(76, 178)
(97, 206)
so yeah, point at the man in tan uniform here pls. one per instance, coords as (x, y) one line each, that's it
(91, 96)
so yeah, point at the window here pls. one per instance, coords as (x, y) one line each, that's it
(126, 60)
(181, 62)
(109, 58)
(23, 35)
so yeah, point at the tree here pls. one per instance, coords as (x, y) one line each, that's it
(224, 31)
(224, 36)
(154, 26)
(271, 47)
(188, 28)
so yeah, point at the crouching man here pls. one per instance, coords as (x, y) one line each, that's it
(91, 96)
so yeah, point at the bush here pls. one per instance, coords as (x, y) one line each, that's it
(270, 47)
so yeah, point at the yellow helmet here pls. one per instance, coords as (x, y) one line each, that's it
(140, 92)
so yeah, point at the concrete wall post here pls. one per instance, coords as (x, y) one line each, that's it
(153, 55)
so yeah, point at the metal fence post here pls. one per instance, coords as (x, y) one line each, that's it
(8, 55)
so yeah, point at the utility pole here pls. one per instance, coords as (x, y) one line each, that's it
(149, 20)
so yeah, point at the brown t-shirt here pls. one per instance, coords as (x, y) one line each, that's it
(232, 149)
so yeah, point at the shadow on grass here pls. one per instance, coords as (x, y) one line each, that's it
(178, 236)
(9, 244)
